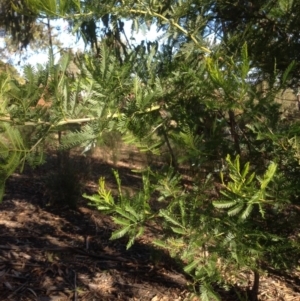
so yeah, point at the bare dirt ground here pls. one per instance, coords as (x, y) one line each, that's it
(52, 253)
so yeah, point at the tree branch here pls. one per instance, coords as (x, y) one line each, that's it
(171, 22)
(70, 121)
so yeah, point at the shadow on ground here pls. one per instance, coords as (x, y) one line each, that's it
(55, 253)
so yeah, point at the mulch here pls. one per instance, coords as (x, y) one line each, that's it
(52, 253)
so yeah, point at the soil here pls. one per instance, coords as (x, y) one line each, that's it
(49, 252)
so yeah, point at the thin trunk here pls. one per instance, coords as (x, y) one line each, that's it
(174, 163)
(255, 287)
(61, 154)
(234, 133)
(50, 37)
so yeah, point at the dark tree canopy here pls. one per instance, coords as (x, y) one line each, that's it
(18, 21)
(270, 28)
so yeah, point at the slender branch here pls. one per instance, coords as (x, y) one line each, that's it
(70, 121)
(173, 158)
(39, 141)
(234, 133)
(50, 36)
(171, 22)
(142, 12)
(39, 122)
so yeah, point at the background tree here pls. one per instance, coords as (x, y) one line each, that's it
(269, 27)
(17, 20)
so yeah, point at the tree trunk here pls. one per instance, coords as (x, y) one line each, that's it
(174, 163)
(253, 294)
(234, 133)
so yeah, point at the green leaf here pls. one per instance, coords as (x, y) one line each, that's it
(245, 62)
(261, 210)
(208, 293)
(247, 211)
(120, 233)
(235, 210)
(118, 180)
(256, 197)
(268, 176)
(178, 230)
(245, 169)
(224, 204)
(130, 242)
(133, 212)
(133, 235)
(250, 179)
(125, 214)
(103, 207)
(160, 243)
(141, 231)
(287, 72)
(121, 221)
(94, 198)
(169, 218)
(237, 163)
(192, 266)
(222, 177)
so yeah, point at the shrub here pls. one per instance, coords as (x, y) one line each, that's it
(214, 240)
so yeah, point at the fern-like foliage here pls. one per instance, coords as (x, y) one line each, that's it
(130, 212)
(12, 152)
(241, 193)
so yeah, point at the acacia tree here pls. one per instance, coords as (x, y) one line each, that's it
(185, 94)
